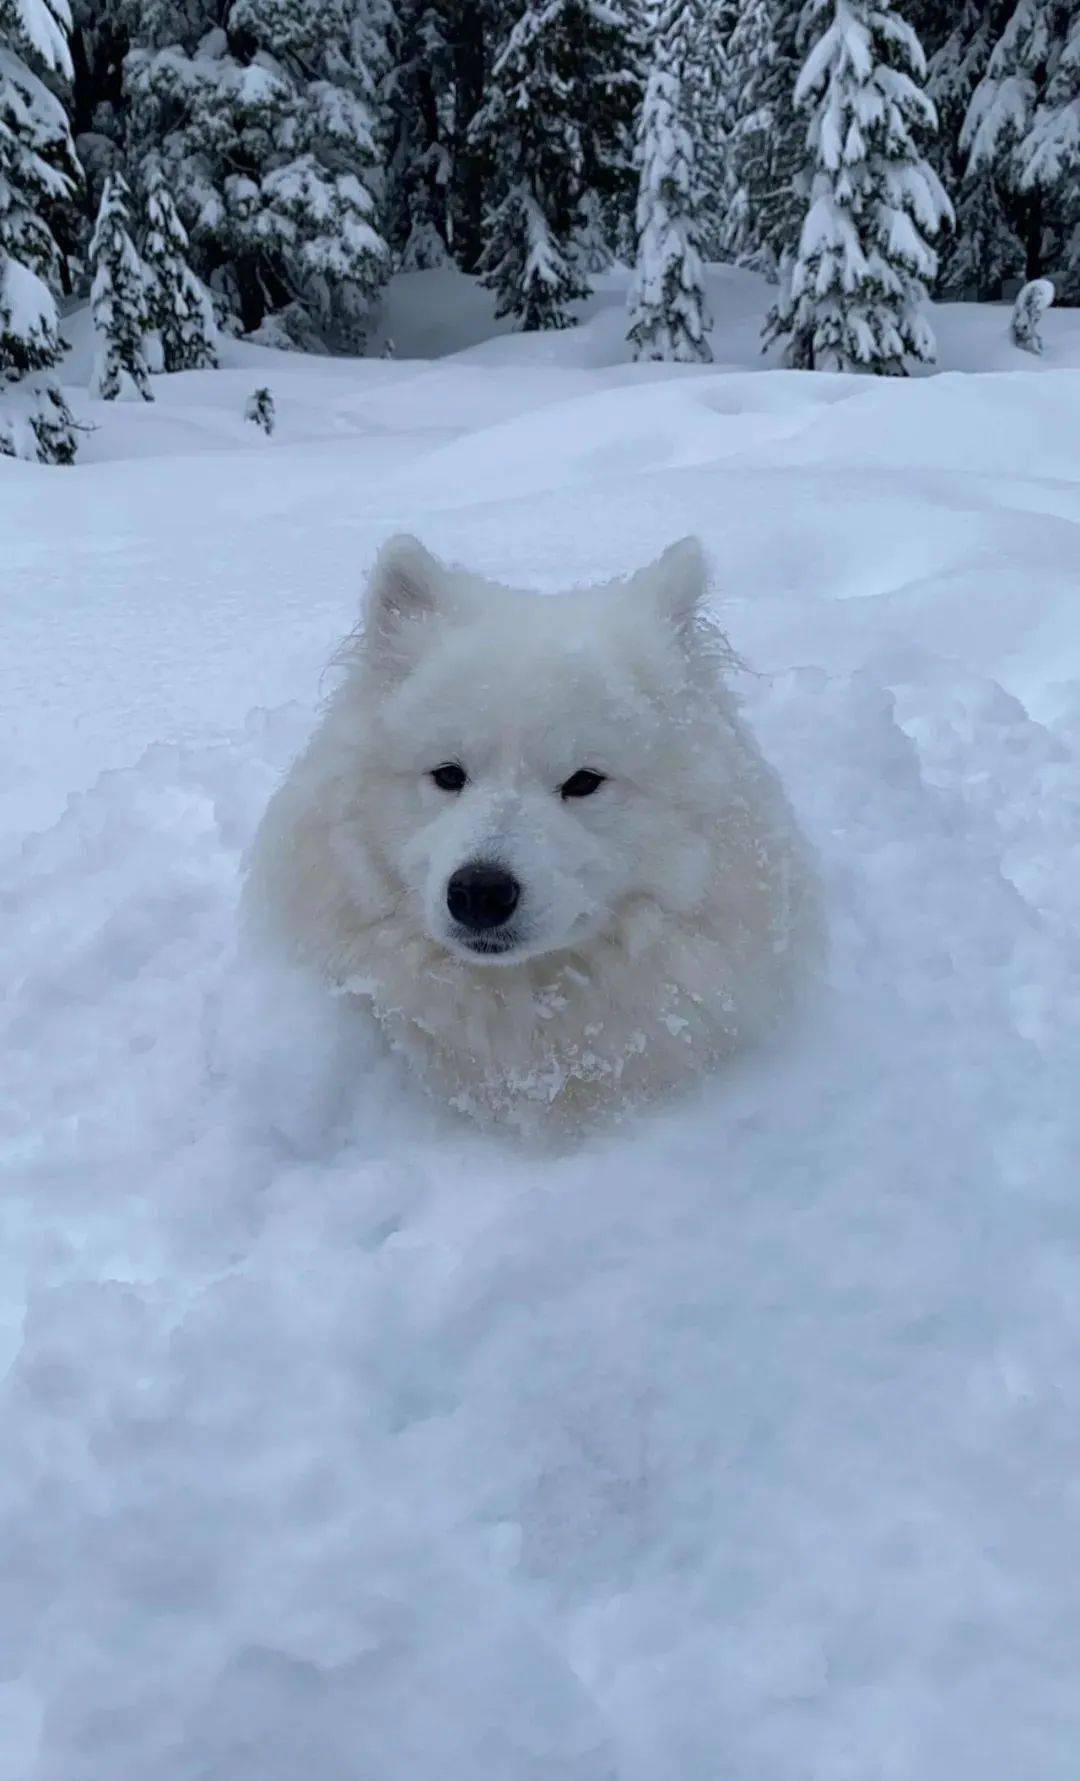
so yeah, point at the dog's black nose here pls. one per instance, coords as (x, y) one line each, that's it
(481, 896)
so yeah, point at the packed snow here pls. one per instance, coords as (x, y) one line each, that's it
(342, 1442)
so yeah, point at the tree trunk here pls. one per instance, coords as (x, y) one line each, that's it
(1033, 237)
(470, 163)
(434, 194)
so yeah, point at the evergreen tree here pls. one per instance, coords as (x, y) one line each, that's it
(593, 247)
(260, 410)
(527, 258)
(37, 174)
(470, 27)
(1050, 151)
(668, 317)
(983, 249)
(267, 130)
(616, 36)
(766, 136)
(1049, 155)
(1003, 104)
(555, 124)
(1022, 124)
(119, 300)
(853, 293)
(178, 308)
(421, 91)
(709, 105)
(98, 47)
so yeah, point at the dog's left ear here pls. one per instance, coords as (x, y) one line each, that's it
(676, 585)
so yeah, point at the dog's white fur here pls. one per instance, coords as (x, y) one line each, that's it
(664, 922)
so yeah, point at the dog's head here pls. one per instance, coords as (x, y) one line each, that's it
(535, 764)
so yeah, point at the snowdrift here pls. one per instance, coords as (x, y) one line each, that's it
(340, 1442)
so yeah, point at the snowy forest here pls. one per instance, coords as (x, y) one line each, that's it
(261, 167)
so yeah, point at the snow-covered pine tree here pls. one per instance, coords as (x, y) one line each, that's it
(119, 300)
(1049, 153)
(592, 245)
(984, 248)
(532, 135)
(668, 314)
(178, 307)
(1002, 105)
(766, 136)
(1048, 157)
(554, 124)
(98, 46)
(1022, 122)
(37, 173)
(471, 28)
(263, 114)
(421, 94)
(710, 111)
(615, 35)
(853, 294)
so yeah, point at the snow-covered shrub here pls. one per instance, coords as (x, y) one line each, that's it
(119, 300)
(424, 249)
(1031, 305)
(260, 409)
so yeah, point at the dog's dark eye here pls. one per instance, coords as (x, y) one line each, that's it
(449, 777)
(582, 784)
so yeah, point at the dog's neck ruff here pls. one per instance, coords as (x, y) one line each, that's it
(567, 1034)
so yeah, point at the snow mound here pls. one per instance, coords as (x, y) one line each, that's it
(342, 1442)
(354, 1444)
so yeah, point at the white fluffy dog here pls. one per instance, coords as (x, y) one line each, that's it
(533, 839)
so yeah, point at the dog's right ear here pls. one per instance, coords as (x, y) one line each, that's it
(403, 593)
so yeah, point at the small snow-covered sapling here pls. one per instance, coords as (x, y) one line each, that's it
(260, 409)
(1031, 305)
(118, 299)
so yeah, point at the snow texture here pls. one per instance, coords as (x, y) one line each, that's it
(342, 1442)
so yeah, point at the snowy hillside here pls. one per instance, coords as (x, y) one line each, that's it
(343, 1443)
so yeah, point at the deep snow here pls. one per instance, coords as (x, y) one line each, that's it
(340, 1442)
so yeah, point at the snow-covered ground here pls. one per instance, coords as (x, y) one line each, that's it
(742, 1446)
